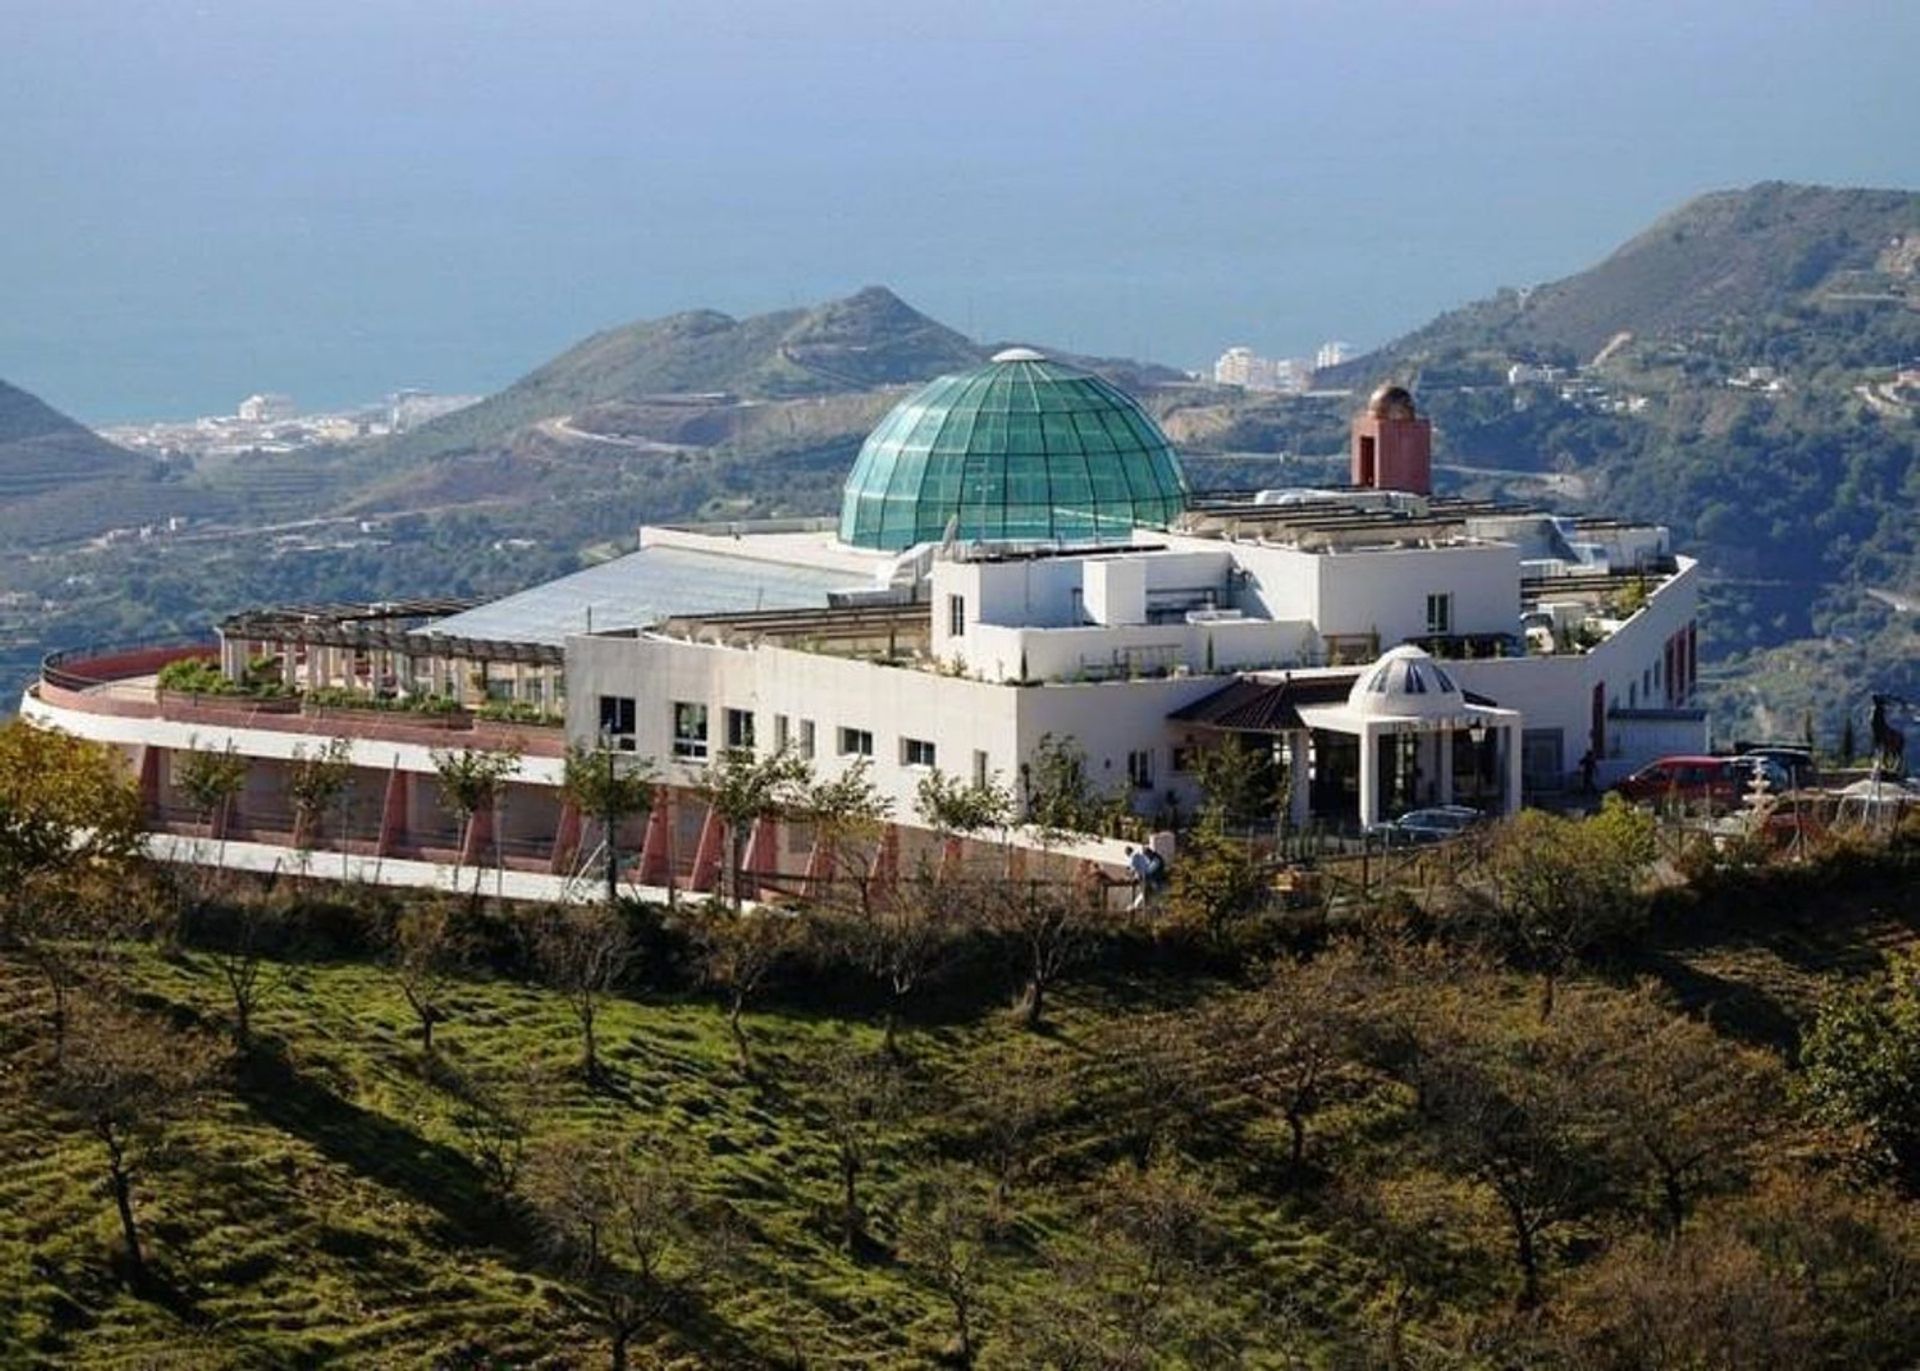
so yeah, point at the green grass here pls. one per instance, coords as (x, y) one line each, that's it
(325, 1211)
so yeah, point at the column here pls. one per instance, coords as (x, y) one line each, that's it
(1444, 741)
(1369, 777)
(1513, 768)
(1299, 779)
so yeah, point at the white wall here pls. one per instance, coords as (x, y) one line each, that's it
(1385, 590)
(958, 716)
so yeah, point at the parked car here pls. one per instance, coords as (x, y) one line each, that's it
(1793, 759)
(1432, 825)
(1690, 780)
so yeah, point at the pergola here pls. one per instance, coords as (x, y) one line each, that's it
(1407, 715)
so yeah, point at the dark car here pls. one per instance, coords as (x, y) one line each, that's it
(1795, 761)
(1432, 825)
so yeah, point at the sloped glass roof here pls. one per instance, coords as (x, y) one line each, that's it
(642, 588)
(1021, 448)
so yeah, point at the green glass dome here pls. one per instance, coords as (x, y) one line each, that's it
(1019, 448)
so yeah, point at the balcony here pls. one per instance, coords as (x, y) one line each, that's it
(123, 681)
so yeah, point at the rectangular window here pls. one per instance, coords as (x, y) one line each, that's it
(740, 729)
(782, 733)
(533, 691)
(1181, 761)
(1439, 614)
(1140, 770)
(980, 768)
(617, 721)
(500, 692)
(856, 742)
(916, 752)
(689, 731)
(806, 739)
(956, 615)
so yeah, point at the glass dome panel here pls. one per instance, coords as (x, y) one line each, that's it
(1019, 448)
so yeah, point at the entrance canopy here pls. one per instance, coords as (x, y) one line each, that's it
(1406, 711)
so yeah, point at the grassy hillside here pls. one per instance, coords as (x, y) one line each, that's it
(328, 1202)
(42, 450)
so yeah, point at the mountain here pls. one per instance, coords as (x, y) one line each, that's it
(42, 450)
(1773, 249)
(868, 340)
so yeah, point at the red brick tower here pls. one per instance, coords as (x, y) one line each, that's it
(1393, 445)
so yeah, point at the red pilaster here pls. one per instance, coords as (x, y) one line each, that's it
(393, 812)
(706, 856)
(656, 850)
(566, 839)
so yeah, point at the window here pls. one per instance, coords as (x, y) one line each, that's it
(533, 691)
(1439, 614)
(1182, 759)
(856, 742)
(806, 739)
(500, 692)
(916, 752)
(617, 721)
(689, 731)
(956, 615)
(1140, 770)
(980, 777)
(782, 733)
(739, 728)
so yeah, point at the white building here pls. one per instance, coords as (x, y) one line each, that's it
(269, 408)
(1018, 556)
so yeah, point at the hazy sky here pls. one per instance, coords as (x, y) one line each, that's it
(338, 197)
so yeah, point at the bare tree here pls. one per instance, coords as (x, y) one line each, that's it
(253, 932)
(583, 952)
(743, 787)
(316, 780)
(905, 942)
(1152, 1078)
(472, 781)
(738, 951)
(1053, 927)
(1711, 1300)
(848, 815)
(947, 1234)
(1012, 1102)
(1287, 1041)
(211, 779)
(1509, 1115)
(860, 1095)
(628, 1230)
(495, 1115)
(425, 953)
(126, 1076)
(1144, 1291)
(608, 785)
(1691, 1106)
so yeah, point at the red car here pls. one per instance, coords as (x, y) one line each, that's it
(1689, 780)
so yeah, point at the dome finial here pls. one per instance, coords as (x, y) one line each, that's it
(1020, 354)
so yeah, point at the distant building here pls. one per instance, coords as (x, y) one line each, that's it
(1331, 354)
(1241, 366)
(269, 408)
(1534, 374)
(410, 408)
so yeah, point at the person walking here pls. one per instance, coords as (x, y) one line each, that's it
(1142, 868)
